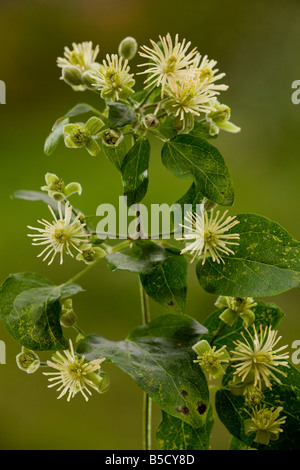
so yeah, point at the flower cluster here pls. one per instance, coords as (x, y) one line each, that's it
(188, 80)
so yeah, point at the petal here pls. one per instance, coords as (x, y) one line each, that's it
(92, 147)
(94, 125)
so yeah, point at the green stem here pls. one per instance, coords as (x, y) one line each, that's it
(147, 96)
(220, 330)
(82, 272)
(147, 402)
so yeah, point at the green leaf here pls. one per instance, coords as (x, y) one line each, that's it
(159, 358)
(175, 434)
(140, 257)
(236, 444)
(55, 136)
(167, 129)
(163, 272)
(35, 196)
(265, 263)
(80, 108)
(265, 314)
(192, 197)
(120, 115)
(201, 129)
(30, 310)
(135, 171)
(192, 157)
(115, 154)
(167, 282)
(231, 411)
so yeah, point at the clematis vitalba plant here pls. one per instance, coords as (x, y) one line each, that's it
(237, 258)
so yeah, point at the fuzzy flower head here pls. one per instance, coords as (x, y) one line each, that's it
(82, 56)
(112, 78)
(74, 374)
(168, 62)
(210, 359)
(188, 97)
(207, 73)
(236, 307)
(257, 357)
(209, 232)
(265, 422)
(61, 235)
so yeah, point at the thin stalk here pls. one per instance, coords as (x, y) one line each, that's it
(147, 402)
(82, 272)
(147, 96)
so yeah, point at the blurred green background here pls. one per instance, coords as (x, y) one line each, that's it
(256, 44)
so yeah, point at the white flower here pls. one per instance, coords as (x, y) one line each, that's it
(113, 79)
(209, 233)
(190, 96)
(74, 374)
(257, 357)
(207, 73)
(61, 235)
(82, 56)
(168, 63)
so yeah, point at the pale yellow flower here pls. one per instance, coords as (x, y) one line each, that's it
(257, 357)
(209, 232)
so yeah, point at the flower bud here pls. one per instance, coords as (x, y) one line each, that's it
(151, 121)
(111, 137)
(100, 380)
(28, 361)
(89, 253)
(71, 75)
(185, 125)
(208, 205)
(68, 317)
(128, 48)
(88, 80)
(221, 114)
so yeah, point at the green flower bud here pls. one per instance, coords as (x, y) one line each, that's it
(72, 75)
(80, 135)
(185, 125)
(128, 48)
(111, 137)
(90, 254)
(151, 121)
(208, 205)
(68, 317)
(253, 396)
(56, 187)
(222, 114)
(28, 361)
(236, 307)
(88, 79)
(100, 380)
